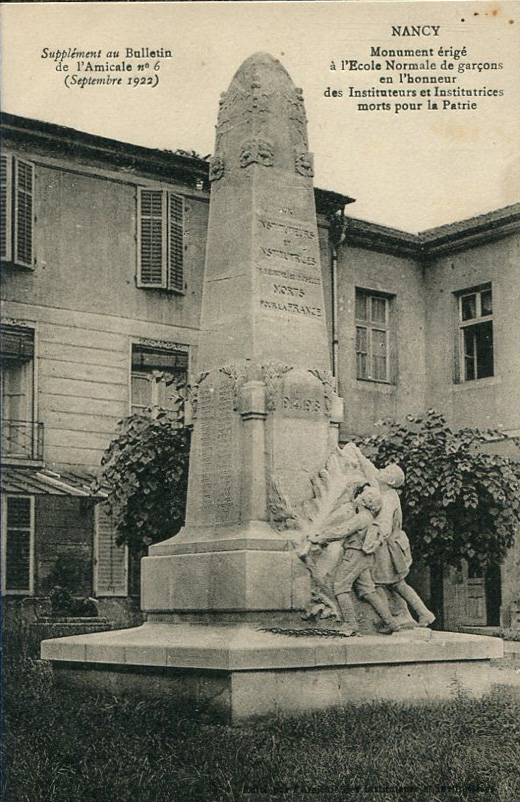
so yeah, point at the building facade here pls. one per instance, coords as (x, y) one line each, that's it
(103, 249)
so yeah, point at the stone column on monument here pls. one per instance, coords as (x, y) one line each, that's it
(266, 406)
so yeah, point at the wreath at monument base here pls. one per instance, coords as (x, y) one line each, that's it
(304, 633)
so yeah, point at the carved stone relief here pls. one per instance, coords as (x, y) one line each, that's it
(258, 102)
(298, 119)
(272, 373)
(238, 374)
(304, 164)
(228, 104)
(329, 386)
(256, 151)
(252, 104)
(216, 168)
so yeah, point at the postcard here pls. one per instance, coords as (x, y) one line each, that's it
(259, 400)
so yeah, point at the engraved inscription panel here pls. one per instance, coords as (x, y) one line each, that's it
(218, 451)
(288, 267)
(301, 396)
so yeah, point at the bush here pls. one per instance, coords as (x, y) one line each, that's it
(145, 470)
(459, 501)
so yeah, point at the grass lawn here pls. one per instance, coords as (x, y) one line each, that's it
(74, 746)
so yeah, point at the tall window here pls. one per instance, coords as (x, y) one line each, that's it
(161, 240)
(110, 560)
(17, 210)
(21, 434)
(372, 333)
(18, 544)
(476, 333)
(156, 372)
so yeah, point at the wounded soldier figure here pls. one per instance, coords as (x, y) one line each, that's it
(360, 541)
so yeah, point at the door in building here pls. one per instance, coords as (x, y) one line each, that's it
(475, 595)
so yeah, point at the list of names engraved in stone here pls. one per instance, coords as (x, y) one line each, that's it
(218, 452)
(205, 423)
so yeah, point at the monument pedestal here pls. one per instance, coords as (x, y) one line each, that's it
(238, 579)
(241, 672)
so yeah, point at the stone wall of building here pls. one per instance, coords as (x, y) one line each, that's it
(82, 300)
(401, 280)
(490, 402)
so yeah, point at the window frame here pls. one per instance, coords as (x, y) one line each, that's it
(479, 319)
(25, 362)
(369, 326)
(167, 240)
(12, 182)
(155, 375)
(155, 378)
(5, 503)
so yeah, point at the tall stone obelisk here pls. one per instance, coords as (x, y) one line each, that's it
(265, 397)
(266, 418)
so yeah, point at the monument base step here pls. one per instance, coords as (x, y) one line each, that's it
(242, 672)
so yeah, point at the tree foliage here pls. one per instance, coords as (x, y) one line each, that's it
(459, 500)
(145, 470)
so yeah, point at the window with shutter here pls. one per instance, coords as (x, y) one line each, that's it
(5, 220)
(17, 208)
(23, 211)
(152, 239)
(111, 560)
(21, 434)
(18, 545)
(176, 244)
(161, 240)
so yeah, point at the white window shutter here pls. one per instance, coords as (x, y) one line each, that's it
(111, 560)
(6, 209)
(176, 243)
(152, 240)
(23, 213)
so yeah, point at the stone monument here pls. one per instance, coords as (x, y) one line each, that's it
(266, 407)
(268, 484)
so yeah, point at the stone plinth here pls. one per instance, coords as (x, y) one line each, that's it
(243, 673)
(62, 627)
(229, 580)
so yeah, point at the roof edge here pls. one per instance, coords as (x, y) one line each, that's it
(435, 242)
(194, 170)
(188, 170)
